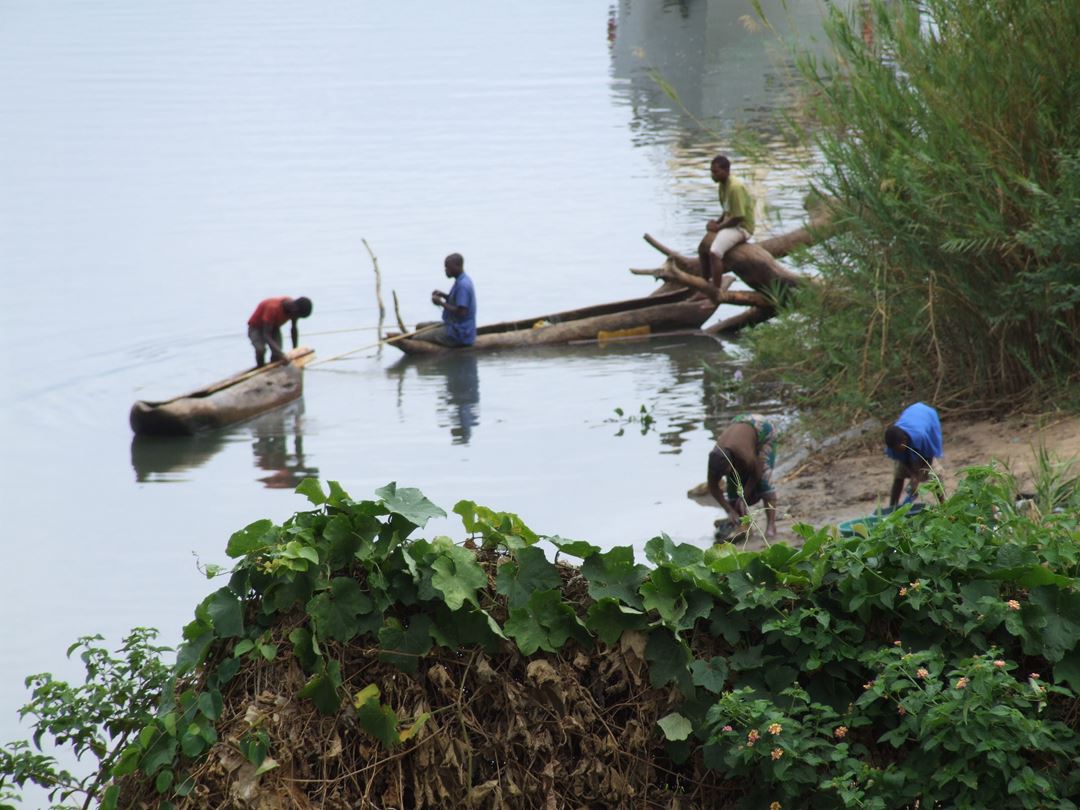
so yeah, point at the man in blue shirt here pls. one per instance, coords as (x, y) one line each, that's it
(913, 441)
(458, 308)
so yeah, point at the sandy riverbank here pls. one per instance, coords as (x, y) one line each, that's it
(852, 478)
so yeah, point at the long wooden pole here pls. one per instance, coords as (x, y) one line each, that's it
(393, 339)
(297, 357)
(397, 312)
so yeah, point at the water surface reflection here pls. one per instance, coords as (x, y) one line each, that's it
(663, 373)
(726, 67)
(707, 76)
(164, 459)
(459, 398)
(284, 464)
(277, 445)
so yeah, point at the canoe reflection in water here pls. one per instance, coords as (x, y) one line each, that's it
(158, 459)
(459, 406)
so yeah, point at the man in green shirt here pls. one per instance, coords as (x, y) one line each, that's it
(736, 223)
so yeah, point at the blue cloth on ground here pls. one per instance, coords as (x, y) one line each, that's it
(461, 328)
(920, 422)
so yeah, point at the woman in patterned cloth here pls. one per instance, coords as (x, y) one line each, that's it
(745, 455)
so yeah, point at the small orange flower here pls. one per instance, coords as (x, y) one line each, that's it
(900, 710)
(777, 753)
(1034, 676)
(903, 591)
(922, 673)
(841, 732)
(1013, 604)
(999, 663)
(960, 684)
(752, 736)
(775, 729)
(868, 685)
(896, 643)
(775, 806)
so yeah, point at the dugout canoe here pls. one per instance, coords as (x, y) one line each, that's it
(666, 311)
(233, 399)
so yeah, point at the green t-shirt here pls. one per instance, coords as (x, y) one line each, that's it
(736, 202)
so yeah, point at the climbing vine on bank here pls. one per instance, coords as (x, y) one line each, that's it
(934, 658)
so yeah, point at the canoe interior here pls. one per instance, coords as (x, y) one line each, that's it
(628, 305)
(657, 313)
(233, 399)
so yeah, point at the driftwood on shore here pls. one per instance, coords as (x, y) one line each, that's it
(755, 263)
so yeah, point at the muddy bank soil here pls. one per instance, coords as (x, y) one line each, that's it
(851, 477)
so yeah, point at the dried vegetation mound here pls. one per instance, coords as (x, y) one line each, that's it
(570, 730)
(929, 660)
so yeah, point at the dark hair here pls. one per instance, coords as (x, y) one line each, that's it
(455, 260)
(301, 307)
(895, 438)
(721, 161)
(722, 462)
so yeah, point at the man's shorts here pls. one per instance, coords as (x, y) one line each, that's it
(765, 447)
(936, 470)
(435, 332)
(726, 239)
(258, 336)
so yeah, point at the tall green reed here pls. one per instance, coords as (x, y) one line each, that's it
(949, 133)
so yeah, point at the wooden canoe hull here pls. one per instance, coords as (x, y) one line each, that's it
(234, 399)
(661, 313)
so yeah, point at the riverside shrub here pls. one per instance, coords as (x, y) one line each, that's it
(932, 660)
(949, 146)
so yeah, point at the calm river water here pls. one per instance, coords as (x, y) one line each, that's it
(164, 166)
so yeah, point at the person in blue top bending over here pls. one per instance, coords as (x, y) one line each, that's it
(458, 307)
(913, 441)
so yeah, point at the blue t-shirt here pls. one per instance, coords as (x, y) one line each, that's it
(920, 422)
(461, 328)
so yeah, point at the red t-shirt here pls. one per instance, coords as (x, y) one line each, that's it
(270, 312)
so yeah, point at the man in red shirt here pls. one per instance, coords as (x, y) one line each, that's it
(264, 325)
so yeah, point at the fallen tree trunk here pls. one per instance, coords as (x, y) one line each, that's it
(748, 317)
(749, 261)
(757, 267)
(819, 227)
(669, 271)
(753, 262)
